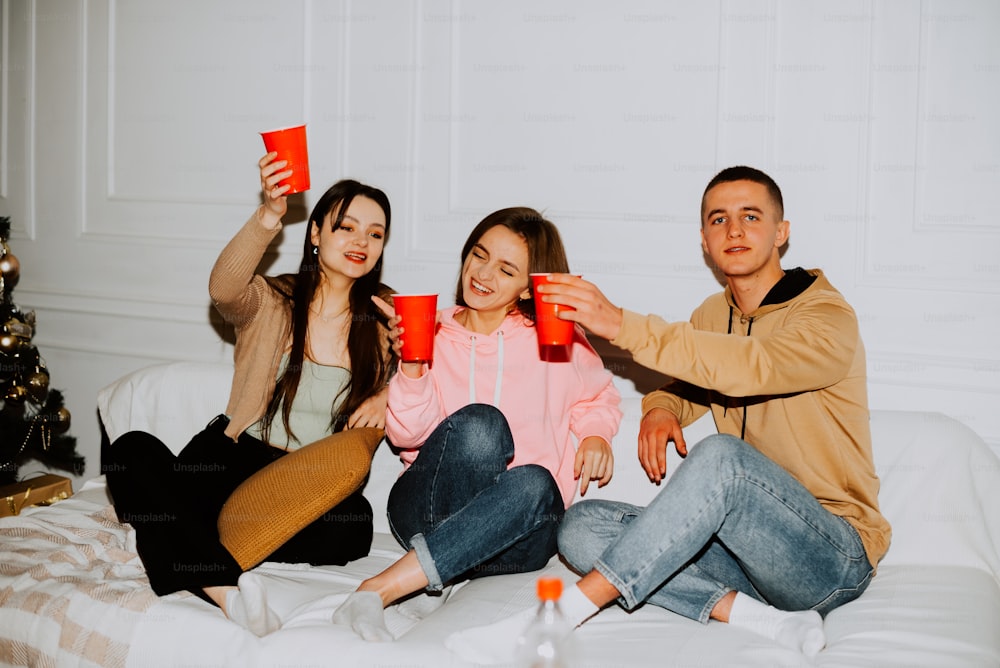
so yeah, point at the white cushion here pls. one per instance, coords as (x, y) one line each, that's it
(940, 490)
(173, 400)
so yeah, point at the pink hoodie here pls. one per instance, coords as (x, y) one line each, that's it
(544, 402)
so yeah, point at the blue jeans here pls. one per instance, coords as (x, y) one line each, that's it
(467, 515)
(728, 519)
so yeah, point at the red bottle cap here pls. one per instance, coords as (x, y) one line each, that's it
(549, 589)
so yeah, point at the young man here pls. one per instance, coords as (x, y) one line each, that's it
(772, 522)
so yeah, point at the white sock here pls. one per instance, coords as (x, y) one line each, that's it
(802, 630)
(247, 606)
(497, 642)
(422, 604)
(363, 612)
(576, 607)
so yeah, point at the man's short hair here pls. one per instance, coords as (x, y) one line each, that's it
(744, 173)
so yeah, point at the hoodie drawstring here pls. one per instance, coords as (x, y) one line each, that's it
(499, 384)
(743, 428)
(472, 371)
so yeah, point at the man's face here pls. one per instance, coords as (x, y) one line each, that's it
(740, 229)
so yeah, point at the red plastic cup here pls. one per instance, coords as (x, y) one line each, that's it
(551, 330)
(419, 320)
(290, 143)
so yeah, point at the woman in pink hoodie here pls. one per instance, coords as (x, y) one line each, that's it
(487, 431)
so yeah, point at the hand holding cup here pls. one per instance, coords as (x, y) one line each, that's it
(418, 317)
(290, 145)
(585, 303)
(552, 331)
(271, 172)
(414, 342)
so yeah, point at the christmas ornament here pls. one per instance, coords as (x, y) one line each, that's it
(16, 394)
(10, 268)
(61, 423)
(9, 344)
(37, 384)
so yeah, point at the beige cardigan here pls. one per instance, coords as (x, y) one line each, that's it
(261, 317)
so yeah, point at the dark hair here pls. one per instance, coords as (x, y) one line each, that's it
(744, 173)
(370, 360)
(545, 248)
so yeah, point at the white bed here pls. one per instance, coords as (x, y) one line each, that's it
(73, 592)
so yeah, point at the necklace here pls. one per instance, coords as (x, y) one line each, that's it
(330, 318)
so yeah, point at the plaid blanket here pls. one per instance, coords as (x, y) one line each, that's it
(71, 585)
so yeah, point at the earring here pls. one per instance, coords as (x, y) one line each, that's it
(315, 250)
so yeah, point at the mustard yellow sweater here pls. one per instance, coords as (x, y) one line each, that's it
(790, 377)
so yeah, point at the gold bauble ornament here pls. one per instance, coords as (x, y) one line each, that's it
(61, 423)
(10, 270)
(9, 343)
(16, 394)
(38, 385)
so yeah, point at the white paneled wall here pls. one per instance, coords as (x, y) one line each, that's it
(128, 148)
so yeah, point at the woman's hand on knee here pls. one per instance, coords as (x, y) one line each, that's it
(594, 461)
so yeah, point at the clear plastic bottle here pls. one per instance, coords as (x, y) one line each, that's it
(547, 642)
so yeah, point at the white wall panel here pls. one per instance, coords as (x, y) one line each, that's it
(588, 131)
(956, 140)
(935, 142)
(174, 110)
(746, 106)
(926, 283)
(17, 113)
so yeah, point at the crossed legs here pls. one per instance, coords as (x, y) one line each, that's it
(732, 537)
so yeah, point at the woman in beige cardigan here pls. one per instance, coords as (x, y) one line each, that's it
(311, 365)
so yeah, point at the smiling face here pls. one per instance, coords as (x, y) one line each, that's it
(352, 249)
(742, 231)
(495, 272)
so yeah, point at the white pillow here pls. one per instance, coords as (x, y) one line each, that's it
(173, 401)
(940, 490)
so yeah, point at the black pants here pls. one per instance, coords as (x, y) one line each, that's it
(173, 503)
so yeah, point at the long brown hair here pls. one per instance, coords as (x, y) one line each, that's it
(371, 360)
(545, 248)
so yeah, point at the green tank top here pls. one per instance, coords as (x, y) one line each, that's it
(319, 387)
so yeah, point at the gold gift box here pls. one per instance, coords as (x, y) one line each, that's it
(43, 490)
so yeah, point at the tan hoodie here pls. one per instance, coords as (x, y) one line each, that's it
(790, 377)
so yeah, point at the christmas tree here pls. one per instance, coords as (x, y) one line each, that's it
(33, 420)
